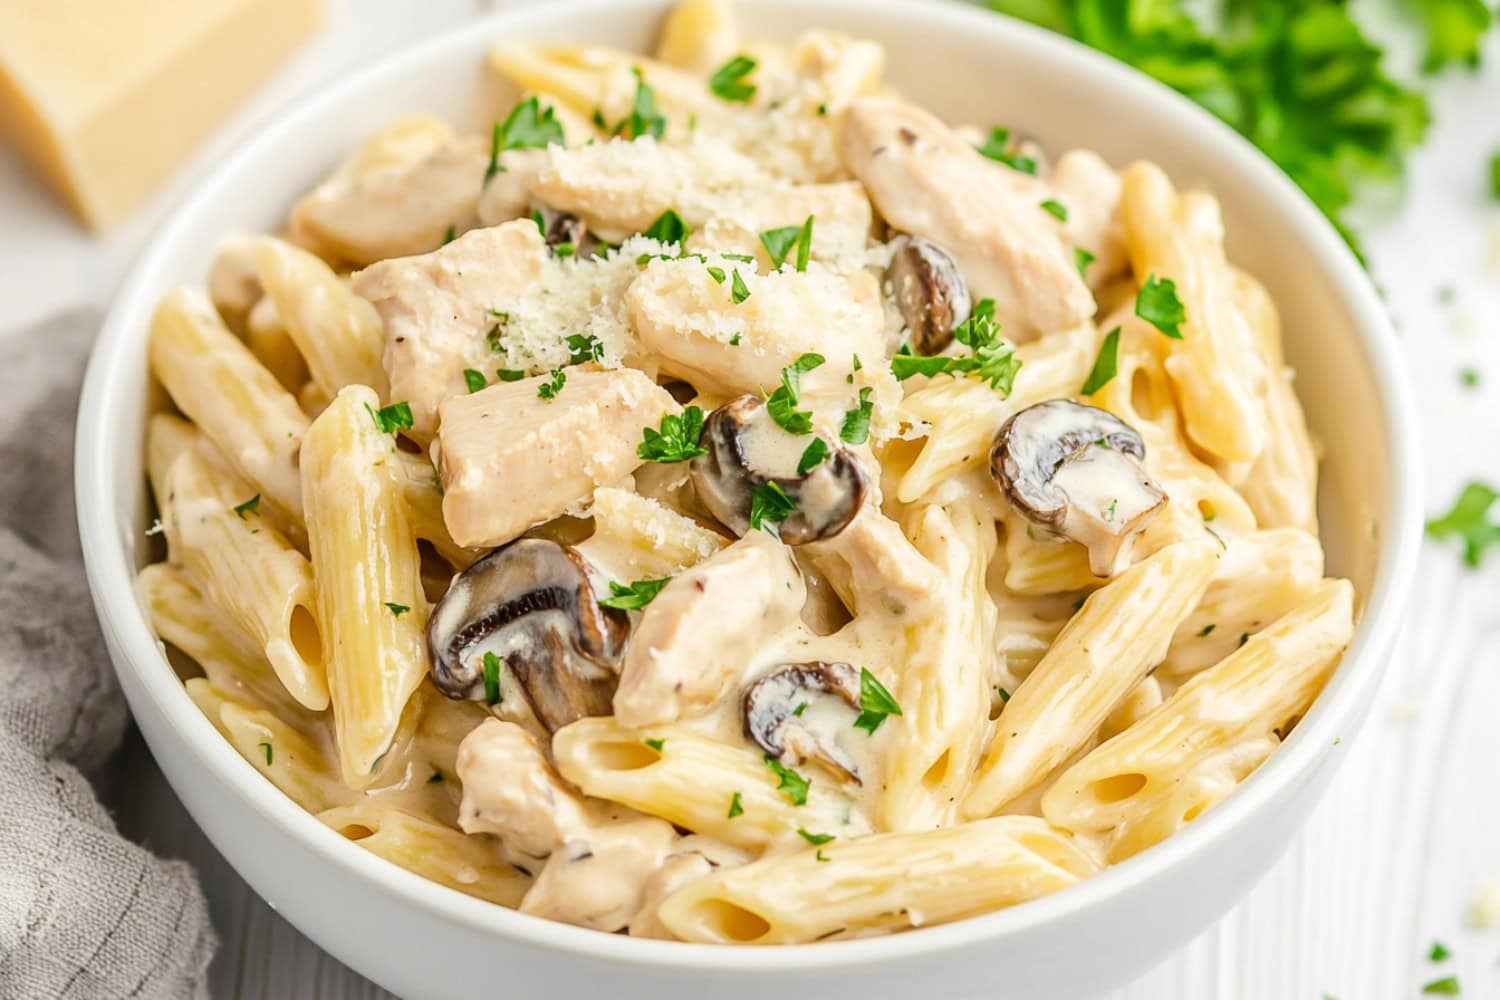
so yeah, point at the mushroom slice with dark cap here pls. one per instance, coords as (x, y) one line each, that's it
(566, 234)
(798, 712)
(531, 605)
(929, 291)
(747, 450)
(1077, 471)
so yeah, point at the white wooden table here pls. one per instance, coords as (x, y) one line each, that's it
(1394, 854)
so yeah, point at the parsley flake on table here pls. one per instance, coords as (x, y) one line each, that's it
(528, 126)
(1106, 364)
(490, 665)
(1439, 952)
(1495, 174)
(998, 147)
(875, 702)
(1157, 303)
(856, 426)
(1469, 520)
(676, 440)
(634, 596)
(769, 506)
(248, 507)
(780, 242)
(1469, 378)
(782, 403)
(393, 418)
(792, 784)
(1445, 987)
(729, 83)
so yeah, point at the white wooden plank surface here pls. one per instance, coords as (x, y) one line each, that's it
(1393, 855)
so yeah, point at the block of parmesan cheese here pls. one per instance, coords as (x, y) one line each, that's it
(106, 97)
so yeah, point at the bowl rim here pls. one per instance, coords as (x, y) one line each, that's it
(111, 573)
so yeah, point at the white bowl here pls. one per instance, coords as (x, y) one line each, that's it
(423, 940)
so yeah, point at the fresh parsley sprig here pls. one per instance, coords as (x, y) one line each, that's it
(769, 506)
(644, 118)
(783, 401)
(998, 147)
(993, 360)
(875, 702)
(856, 426)
(792, 784)
(676, 440)
(729, 83)
(528, 126)
(1157, 303)
(1106, 364)
(393, 418)
(1469, 520)
(780, 242)
(633, 596)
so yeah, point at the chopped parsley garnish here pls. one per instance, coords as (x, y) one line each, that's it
(1207, 630)
(474, 380)
(769, 506)
(1082, 259)
(1495, 174)
(643, 119)
(1056, 209)
(792, 784)
(812, 456)
(583, 347)
(820, 856)
(736, 340)
(856, 427)
(267, 748)
(728, 81)
(716, 273)
(875, 702)
(397, 610)
(1439, 952)
(782, 402)
(450, 234)
(1469, 519)
(743, 258)
(737, 290)
(248, 507)
(815, 839)
(997, 147)
(1004, 694)
(634, 596)
(801, 707)
(509, 374)
(676, 441)
(779, 243)
(1469, 378)
(528, 126)
(390, 419)
(993, 361)
(1106, 365)
(1244, 638)
(655, 744)
(1158, 304)
(490, 664)
(436, 779)
(736, 807)
(1445, 987)
(668, 228)
(550, 389)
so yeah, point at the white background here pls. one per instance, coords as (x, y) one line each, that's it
(1394, 854)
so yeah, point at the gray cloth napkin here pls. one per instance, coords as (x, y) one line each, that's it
(83, 912)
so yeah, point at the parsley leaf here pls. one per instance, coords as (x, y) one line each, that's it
(716, 273)
(1454, 31)
(997, 146)
(814, 838)
(635, 596)
(584, 347)
(676, 441)
(875, 702)
(248, 507)
(549, 390)
(1439, 952)
(782, 403)
(1157, 303)
(655, 744)
(728, 81)
(509, 374)
(450, 234)
(780, 242)
(1082, 259)
(904, 366)
(267, 748)
(1469, 519)
(792, 784)
(1495, 175)
(436, 779)
(390, 419)
(397, 610)
(1445, 987)
(1207, 630)
(491, 667)
(528, 126)
(1469, 378)
(1106, 365)
(737, 290)
(856, 428)
(769, 506)
(736, 807)
(1056, 209)
(474, 380)
(812, 456)
(668, 228)
(643, 119)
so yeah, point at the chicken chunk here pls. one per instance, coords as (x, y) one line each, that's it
(742, 594)
(599, 880)
(397, 210)
(1090, 190)
(436, 309)
(682, 314)
(925, 180)
(511, 458)
(512, 792)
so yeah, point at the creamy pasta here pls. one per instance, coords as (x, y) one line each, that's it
(727, 503)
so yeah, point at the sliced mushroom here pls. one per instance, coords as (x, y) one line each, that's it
(748, 450)
(929, 291)
(1076, 471)
(530, 603)
(564, 229)
(798, 713)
